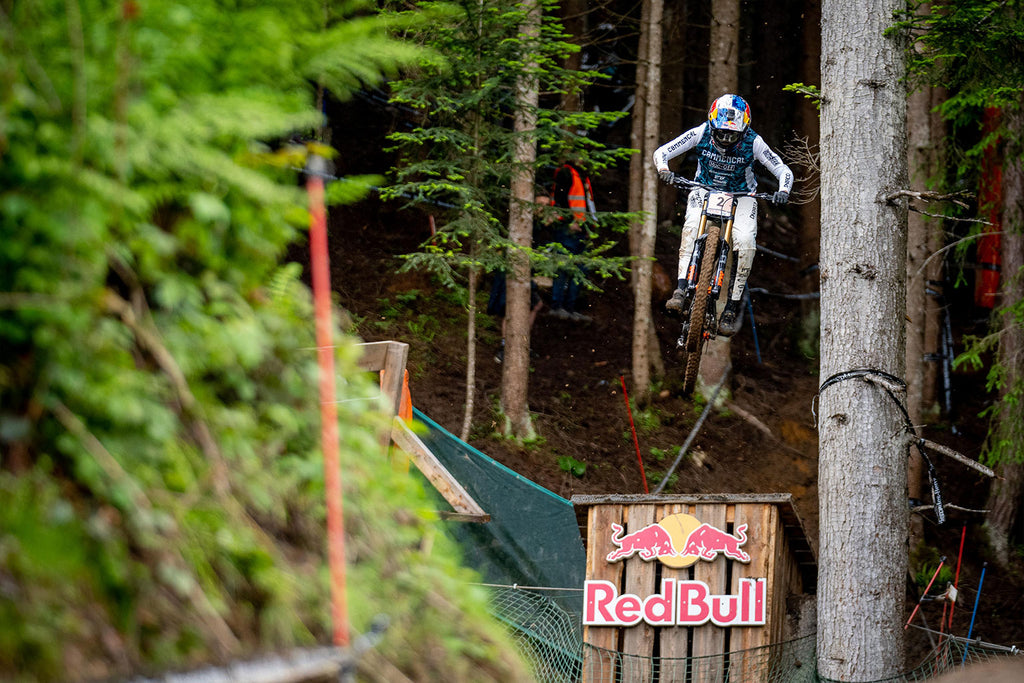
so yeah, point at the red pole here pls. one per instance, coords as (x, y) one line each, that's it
(956, 579)
(635, 442)
(320, 264)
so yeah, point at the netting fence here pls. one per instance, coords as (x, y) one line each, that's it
(550, 637)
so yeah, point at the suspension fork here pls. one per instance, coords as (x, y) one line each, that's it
(699, 245)
(722, 256)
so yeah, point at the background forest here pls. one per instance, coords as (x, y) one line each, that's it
(160, 472)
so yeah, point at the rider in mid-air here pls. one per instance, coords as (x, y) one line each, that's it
(726, 151)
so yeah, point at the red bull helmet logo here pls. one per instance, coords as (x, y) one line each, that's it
(678, 541)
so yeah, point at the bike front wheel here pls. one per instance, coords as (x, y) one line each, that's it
(695, 337)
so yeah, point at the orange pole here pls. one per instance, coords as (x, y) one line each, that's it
(320, 264)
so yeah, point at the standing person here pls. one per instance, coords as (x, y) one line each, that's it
(726, 151)
(571, 191)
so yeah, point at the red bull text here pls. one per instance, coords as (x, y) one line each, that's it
(680, 603)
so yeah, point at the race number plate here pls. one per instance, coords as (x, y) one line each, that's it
(720, 205)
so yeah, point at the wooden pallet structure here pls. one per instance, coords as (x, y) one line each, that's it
(389, 358)
(671, 578)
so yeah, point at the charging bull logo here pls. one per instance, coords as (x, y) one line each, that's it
(678, 541)
(652, 541)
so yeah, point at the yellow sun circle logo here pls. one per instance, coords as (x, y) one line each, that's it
(679, 527)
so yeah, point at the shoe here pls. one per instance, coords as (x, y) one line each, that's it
(559, 313)
(499, 356)
(678, 301)
(579, 317)
(730, 321)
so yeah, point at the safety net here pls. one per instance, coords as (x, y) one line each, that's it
(532, 538)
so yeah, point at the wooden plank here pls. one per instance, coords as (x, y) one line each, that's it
(599, 666)
(638, 641)
(682, 499)
(761, 521)
(389, 358)
(394, 374)
(781, 576)
(461, 517)
(449, 488)
(709, 639)
(674, 640)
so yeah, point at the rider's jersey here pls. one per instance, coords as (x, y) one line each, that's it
(732, 170)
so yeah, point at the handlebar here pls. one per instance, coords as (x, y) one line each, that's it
(681, 183)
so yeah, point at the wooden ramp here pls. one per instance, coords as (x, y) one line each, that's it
(389, 358)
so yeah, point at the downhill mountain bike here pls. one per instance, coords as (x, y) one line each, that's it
(705, 274)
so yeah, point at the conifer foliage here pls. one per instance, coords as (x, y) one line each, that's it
(458, 153)
(159, 468)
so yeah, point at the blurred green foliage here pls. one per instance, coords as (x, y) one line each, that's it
(160, 471)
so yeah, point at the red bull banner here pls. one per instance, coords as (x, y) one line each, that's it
(680, 603)
(677, 541)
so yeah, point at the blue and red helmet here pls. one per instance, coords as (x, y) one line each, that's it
(729, 117)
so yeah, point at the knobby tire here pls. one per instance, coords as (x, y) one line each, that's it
(698, 312)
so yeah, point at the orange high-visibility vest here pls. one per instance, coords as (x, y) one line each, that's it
(581, 196)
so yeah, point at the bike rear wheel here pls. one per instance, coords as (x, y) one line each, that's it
(698, 311)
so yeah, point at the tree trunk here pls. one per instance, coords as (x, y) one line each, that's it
(723, 56)
(516, 366)
(1005, 496)
(863, 450)
(934, 274)
(651, 34)
(637, 163)
(809, 213)
(723, 77)
(922, 141)
(467, 417)
(573, 14)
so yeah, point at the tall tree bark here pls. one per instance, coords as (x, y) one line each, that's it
(1005, 496)
(642, 326)
(723, 77)
(637, 170)
(637, 163)
(922, 141)
(862, 443)
(723, 56)
(516, 366)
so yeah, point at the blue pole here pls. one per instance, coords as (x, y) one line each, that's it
(753, 329)
(970, 629)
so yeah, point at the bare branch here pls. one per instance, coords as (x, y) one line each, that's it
(800, 154)
(149, 338)
(949, 452)
(929, 196)
(922, 508)
(952, 245)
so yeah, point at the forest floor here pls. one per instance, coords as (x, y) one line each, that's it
(764, 441)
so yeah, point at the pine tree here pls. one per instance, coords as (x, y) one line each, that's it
(458, 157)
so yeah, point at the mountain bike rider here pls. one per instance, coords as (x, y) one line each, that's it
(726, 151)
